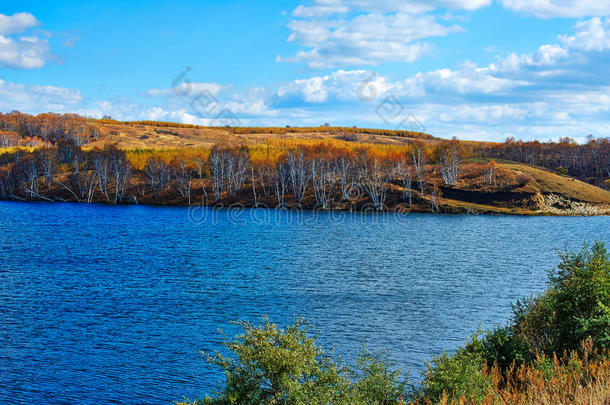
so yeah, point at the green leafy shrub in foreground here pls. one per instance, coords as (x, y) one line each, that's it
(270, 365)
(573, 308)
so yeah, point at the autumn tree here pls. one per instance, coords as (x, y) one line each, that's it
(374, 176)
(419, 158)
(449, 162)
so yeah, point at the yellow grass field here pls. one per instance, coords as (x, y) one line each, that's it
(138, 135)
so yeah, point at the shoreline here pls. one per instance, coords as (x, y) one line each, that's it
(444, 207)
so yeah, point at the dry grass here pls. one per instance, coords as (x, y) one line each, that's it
(571, 380)
(268, 152)
(146, 135)
(547, 182)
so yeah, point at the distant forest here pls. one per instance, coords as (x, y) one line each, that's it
(46, 157)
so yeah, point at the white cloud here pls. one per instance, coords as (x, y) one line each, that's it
(327, 7)
(559, 8)
(547, 56)
(340, 85)
(334, 55)
(321, 8)
(25, 52)
(14, 96)
(482, 114)
(17, 23)
(377, 31)
(363, 85)
(590, 35)
(552, 54)
(471, 79)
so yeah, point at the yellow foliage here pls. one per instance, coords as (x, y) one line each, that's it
(13, 149)
(139, 157)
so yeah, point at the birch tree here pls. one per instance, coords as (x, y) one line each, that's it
(404, 172)
(298, 175)
(449, 163)
(373, 176)
(323, 180)
(418, 155)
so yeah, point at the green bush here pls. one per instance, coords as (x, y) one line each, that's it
(575, 307)
(376, 381)
(502, 347)
(270, 365)
(459, 375)
(562, 171)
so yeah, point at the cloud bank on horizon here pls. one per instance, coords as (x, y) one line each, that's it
(475, 69)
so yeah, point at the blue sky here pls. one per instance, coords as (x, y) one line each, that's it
(475, 69)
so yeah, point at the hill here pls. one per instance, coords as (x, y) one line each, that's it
(529, 190)
(71, 158)
(148, 134)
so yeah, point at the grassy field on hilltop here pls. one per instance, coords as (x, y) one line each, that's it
(150, 134)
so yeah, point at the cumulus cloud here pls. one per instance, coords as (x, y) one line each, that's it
(561, 89)
(24, 52)
(340, 85)
(559, 8)
(590, 35)
(364, 85)
(374, 32)
(15, 96)
(469, 80)
(17, 23)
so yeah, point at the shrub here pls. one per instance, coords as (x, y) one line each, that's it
(502, 347)
(270, 365)
(581, 290)
(575, 378)
(575, 307)
(453, 377)
(376, 380)
(562, 171)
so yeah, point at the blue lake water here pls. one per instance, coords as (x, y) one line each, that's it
(103, 304)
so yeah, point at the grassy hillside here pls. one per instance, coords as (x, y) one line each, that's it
(167, 163)
(543, 192)
(528, 190)
(145, 134)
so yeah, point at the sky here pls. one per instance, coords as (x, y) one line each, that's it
(473, 69)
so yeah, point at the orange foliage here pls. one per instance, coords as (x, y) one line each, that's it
(572, 379)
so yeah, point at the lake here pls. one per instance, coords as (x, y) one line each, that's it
(106, 304)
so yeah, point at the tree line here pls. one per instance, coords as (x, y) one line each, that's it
(319, 176)
(589, 161)
(19, 129)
